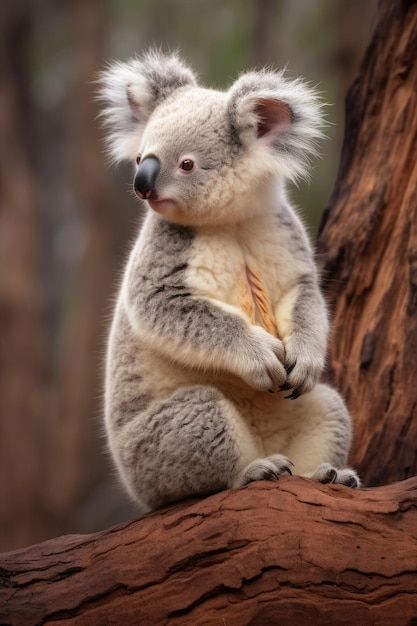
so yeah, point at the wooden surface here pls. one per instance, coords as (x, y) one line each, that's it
(293, 552)
(368, 250)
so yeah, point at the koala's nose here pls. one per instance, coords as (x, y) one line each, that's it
(145, 177)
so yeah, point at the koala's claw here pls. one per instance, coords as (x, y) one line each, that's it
(269, 468)
(264, 370)
(289, 368)
(303, 363)
(296, 391)
(329, 477)
(327, 474)
(350, 481)
(295, 394)
(270, 474)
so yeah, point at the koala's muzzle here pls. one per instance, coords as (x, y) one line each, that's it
(146, 176)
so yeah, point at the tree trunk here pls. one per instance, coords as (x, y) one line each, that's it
(295, 552)
(20, 353)
(368, 245)
(78, 477)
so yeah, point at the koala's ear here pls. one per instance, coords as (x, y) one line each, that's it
(131, 91)
(282, 115)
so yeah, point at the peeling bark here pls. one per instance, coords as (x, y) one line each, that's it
(292, 552)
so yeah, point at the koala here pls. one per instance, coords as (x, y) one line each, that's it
(219, 334)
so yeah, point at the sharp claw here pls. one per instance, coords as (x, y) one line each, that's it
(351, 482)
(285, 468)
(289, 368)
(330, 477)
(295, 394)
(285, 387)
(270, 475)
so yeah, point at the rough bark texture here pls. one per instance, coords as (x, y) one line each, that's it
(293, 552)
(368, 244)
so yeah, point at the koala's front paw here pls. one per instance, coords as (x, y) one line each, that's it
(262, 366)
(269, 468)
(304, 364)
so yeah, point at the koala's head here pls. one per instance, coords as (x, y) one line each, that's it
(207, 157)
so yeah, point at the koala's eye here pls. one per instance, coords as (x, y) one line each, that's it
(187, 165)
(138, 158)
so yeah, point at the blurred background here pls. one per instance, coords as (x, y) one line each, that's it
(67, 219)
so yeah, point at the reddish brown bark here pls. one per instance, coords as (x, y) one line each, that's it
(293, 552)
(368, 243)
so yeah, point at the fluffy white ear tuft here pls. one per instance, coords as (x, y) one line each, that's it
(283, 115)
(131, 91)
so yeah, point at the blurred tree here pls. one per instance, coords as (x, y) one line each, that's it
(50, 404)
(264, 19)
(20, 331)
(75, 420)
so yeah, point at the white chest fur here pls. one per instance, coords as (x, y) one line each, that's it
(246, 266)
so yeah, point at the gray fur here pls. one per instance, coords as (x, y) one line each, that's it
(164, 305)
(180, 447)
(133, 90)
(298, 143)
(193, 400)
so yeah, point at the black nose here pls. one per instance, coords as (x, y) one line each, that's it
(145, 177)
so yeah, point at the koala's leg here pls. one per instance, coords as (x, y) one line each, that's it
(322, 437)
(192, 443)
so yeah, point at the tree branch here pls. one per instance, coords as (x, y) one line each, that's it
(266, 554)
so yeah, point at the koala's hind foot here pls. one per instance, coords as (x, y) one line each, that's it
(269, 468)
(327, 474)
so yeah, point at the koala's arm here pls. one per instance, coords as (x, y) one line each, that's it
(194, 331)
(301, 312)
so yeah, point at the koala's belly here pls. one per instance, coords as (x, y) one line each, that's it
(265, 415)
(220, 268)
